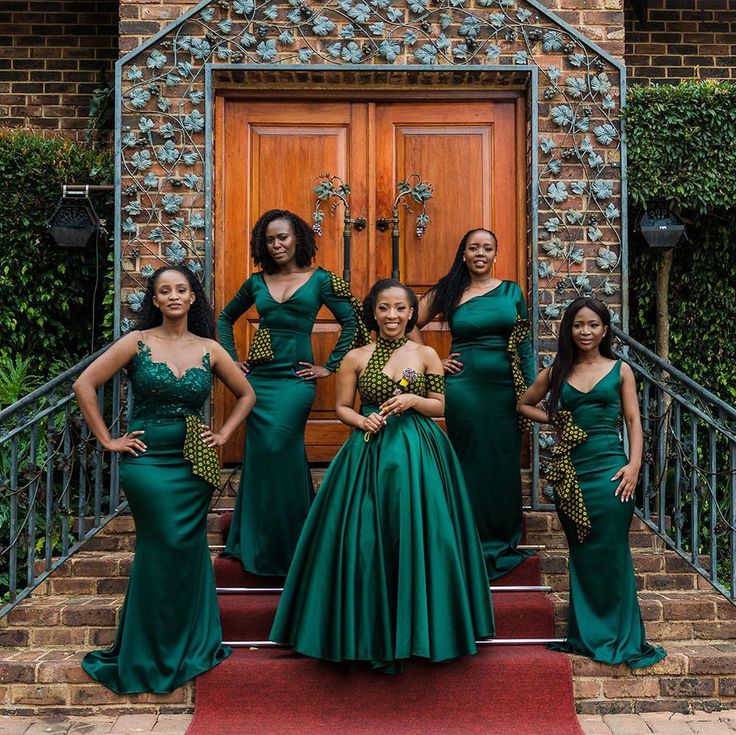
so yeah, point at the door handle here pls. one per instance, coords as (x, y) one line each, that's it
(383, 224)
(359, 223)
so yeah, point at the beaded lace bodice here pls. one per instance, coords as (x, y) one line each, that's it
(159, 393)
(375, 387)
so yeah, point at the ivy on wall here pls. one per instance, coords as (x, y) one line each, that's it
(45, 291)
(682, 151)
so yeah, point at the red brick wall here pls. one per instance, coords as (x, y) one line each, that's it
(682, 39)
(52, 54)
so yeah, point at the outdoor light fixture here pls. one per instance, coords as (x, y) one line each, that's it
(661, 228)
(74, 222)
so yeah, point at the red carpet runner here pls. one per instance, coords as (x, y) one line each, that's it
(503, 690)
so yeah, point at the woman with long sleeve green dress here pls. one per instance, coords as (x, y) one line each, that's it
(594, 483)
(490, 363)
(275, 483)
(169, 629)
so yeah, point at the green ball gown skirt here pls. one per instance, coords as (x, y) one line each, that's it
(604, 620)
(388, 565)
(482, 421)
(169, 629)
(276, 490)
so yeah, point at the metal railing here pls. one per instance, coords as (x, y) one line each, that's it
(58, 488)
(687, 493)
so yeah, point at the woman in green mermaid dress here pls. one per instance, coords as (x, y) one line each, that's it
(594, 485)
(388, 565)
(490, 364)
(275, 483)
(169, 630)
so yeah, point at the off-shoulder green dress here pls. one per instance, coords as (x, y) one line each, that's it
(275, 484)
(169, 629)
(482, 421)
(604, 620)
(389, 564)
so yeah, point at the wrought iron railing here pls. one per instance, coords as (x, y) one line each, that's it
(57, 487)
(688, 482)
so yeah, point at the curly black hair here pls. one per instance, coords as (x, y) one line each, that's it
(369, 303)
(567, 352)
(306, 245)
(445, 294)
(200, 319)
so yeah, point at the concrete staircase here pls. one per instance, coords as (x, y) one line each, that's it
(76, 609)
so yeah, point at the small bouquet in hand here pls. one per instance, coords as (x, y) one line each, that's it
(408, 377)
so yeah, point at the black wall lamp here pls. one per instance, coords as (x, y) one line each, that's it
(661, 228)
(74, 222)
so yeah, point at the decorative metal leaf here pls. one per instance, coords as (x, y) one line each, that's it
(545, 269)
(248, 39)
(427, 54)
(191, 180)
(554, 74)
(612, 212)
(582, 124)
(520, 57)
(190, 157)
(587, 145)
(576, 59)
(600, 84)
(225, 25)
(608, 103)
(562, 115)
(551, 41)
(196, 96)
(266, 50)
(271, 12)
(361, 13)
(460, 51)
(395, 15)
(577, 255)
(177, 224)
(135, 300)
(196, 221)
(351, 53)
(163, 104)
(410, 38)
(168, 152)
(605, 133)
(602, 189)
(243, 7)
(470, 27)
(595, 160)
(172, 80)
(185, 68)
(194, 121)
(497, 19)
(377, 29)
(156, 60)
(141, 160)
(129, 139)
(194, 266)
(176, 253)
(147, 271)
(606, 259)
(552, 224)
(200, 48)
(334, 50)
(207, 15)
(554, 165)
(129, 227)
(576, 87)
(523, 15)
(575, 216)
(323, 26)
(156, 234)
(553, 312)
(133, 208)
(139, 97)
(547, 145)
(389, 49)
(493, 51)
(579, 187)
(150, 180)
(442, 42)
(594, 234)
(417, 6)
(554, 248)
(134, 74)
(305, 54)
(171, 203)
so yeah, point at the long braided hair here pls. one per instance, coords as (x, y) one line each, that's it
(200, 318)
(306, 245)
(445, 295)
(567, 352)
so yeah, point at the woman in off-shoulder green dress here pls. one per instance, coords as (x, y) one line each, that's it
(275, 483)
(388, 565)
(490, 364)
(169, 630)
(594, 483)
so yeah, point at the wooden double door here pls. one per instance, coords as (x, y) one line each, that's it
(270, 153)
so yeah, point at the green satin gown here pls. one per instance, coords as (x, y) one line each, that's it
(388, 565)
(482, 421)
(604, 619)
(169, 630)
(275, 484)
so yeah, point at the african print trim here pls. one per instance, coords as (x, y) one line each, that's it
(375, 386)
(342, 288)
(205, 463)
(435, 383)
(261, 349)
(562, 474)
(518, 334)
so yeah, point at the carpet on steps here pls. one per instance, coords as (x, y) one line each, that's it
(517, 614)
(501, 690)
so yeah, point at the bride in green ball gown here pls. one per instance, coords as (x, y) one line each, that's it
(490, 364)
(594, 483)
(389, 564)
(169, 630)
(275, 483)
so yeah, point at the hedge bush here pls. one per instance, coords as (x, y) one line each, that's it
(682, 151)
(46, 292)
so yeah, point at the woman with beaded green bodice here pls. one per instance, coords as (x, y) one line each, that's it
(388, 565)
(490, 364)
(275, 483)
(169, 629)
(594, 484)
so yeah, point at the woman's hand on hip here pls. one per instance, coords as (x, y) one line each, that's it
(244, 366)
(451, 365)
(313, 372)
(128, 443)
(212, 438)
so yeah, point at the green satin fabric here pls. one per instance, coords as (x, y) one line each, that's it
(169, 630)
(276, 490)
(482, 422)
(604, 620)
(388, 565)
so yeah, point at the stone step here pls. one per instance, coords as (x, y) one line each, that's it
(694, 676)
(52, 681)
(687, 617)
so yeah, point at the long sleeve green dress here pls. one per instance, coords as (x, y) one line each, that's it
(275, 484)
(169, 629)
(604, 620)
(482, 421)
(389, 564)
